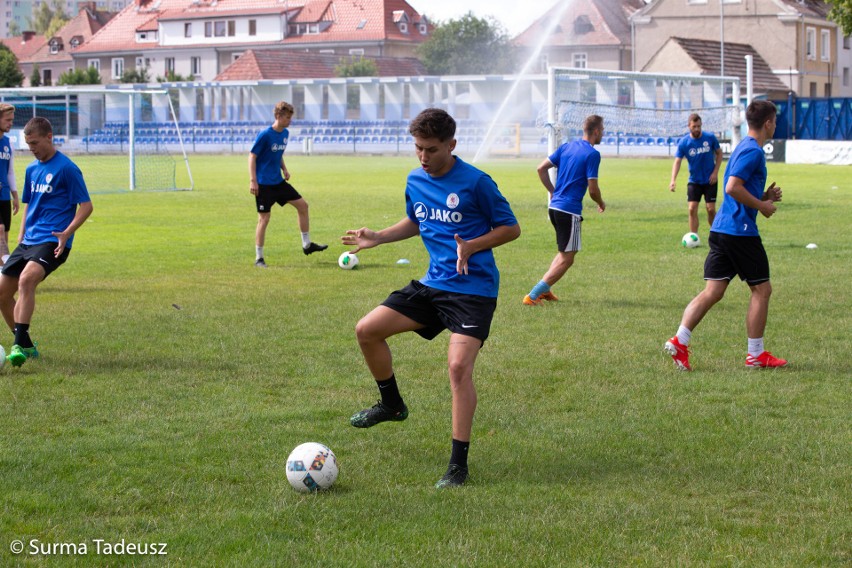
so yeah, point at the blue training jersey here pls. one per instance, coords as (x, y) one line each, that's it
(748, 163)
(577, 162)
(5, 160)
(269, 148)
(464, 201)
(700, 154)
(52, 190)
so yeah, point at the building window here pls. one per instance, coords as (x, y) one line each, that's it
(117, 67)
(252, 27)
(696, 1)
(845, 76)
(195, 65)
(583, 25)
(187, 30)
(403, 27)
(219, 28)
(827, 90)
(356, 51)
(232, 28)
(96, 63)
(846, 42)
(825, 45)
(208, 29)
(812, 90)
(810, 43)
(579, 60)
(423, 29)
(54, 48)
(47, 80)
(140, 63)
(170, 64)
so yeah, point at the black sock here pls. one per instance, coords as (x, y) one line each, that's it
(22, 335)
(459, 455)
(390, 393)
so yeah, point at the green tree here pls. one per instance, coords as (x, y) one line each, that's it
(468, 46)
(356, 67)
(172, 77)
(88, 76)
(10, 73)
(35, 77)
(135, 76)
(48, 18)
(841, 13)
(14, 29)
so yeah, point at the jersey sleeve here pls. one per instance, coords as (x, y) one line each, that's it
(680, 152)
(745, 166)
(592, 165)
(259, 144)
(77, 189)
(493, 205)
(555, 156)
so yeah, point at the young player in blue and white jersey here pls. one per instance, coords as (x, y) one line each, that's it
(266, 165)
(56, 205)
(461, 216)
(577, 164)
(704, 156)
(8, 189)
(735, 245)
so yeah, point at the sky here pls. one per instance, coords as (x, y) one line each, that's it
(515, 15)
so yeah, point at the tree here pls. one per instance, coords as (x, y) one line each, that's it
(46, 20)
(172, 77)
(14, 29)
(88, 76)
(35, 77)
(841, 13)
(468, 46)
(356, 67)
(135, 76)
(10, 73)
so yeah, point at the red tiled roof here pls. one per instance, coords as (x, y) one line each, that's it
(608, 20)
(84, 25)
(255, 65)
(346, 17)
(23, 50)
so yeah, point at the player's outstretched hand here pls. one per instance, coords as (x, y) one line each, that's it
(362, 238)
(773, 193)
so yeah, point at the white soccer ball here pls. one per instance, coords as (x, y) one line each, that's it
(2, 357)
(347, 261)
(690, 240)
(311, 467)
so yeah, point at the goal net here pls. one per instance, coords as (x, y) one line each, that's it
(122, 140)
(641, 107)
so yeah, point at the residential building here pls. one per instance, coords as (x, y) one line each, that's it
(23, 47)
(594, 34)
(199, 39)
(21, 11)
(794, 38)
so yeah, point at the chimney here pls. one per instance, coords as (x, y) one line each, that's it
(27, 36)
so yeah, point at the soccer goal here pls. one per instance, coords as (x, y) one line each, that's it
(122, 139)
(638, 108)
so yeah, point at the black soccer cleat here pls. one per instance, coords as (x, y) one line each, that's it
(313, 247)
(378, 413)
(260, 263)
(455, 477)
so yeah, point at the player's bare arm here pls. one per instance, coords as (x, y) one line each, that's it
(252, 165)
(675, 171)
(492, 239)
(595, 195)
(714, 176)
(83, 211)
(736, 188)
(365, 238)
(284, 170)
(544, 175)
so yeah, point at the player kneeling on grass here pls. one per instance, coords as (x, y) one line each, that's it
(461, 216)
(56, 204)
(735, 245)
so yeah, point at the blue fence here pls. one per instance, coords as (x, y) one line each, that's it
(814, 119)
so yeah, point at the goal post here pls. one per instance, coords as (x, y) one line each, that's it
(637, 105)
(122, 139)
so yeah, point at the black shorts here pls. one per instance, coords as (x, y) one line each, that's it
(41, 253)
(269, 195)
(567, 230)
(465, 314)
(694, 191)
(731, 256)
(6, 214)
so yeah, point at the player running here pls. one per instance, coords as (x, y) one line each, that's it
(735, 245)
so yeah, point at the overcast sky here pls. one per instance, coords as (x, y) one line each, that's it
(515, 15)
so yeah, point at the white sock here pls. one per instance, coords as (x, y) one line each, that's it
(258, 251)
(306, 240)
(683, 336)
(755, 346)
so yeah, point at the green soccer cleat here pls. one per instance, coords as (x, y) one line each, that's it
(18, 355)
(378, 413)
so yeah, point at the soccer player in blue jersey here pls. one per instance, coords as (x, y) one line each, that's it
(266, 165)
(704, 156)
(56, 204)
(735, 245)
(461, 216)
(9, 203)
(577, 164)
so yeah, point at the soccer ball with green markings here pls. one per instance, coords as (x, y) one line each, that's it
(347, 261)
(311, 467)
(690, 240)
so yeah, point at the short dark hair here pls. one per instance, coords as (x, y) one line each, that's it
(592, 123)
(694, 117)
(433, 123)
(38, 125)
(758, 112)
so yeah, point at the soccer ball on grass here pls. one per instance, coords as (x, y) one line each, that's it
(690, 240)
(311, 467)
(347, 261)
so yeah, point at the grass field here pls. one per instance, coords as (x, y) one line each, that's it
(175, 378)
